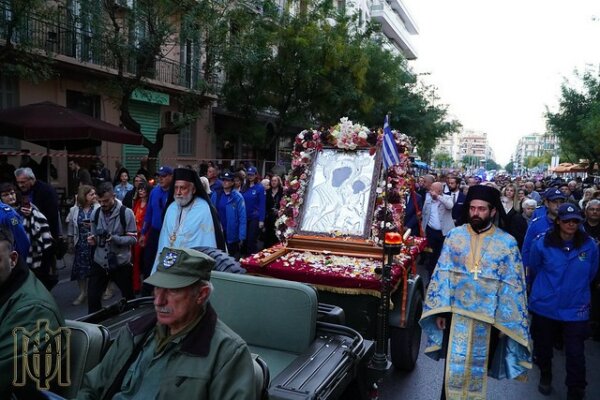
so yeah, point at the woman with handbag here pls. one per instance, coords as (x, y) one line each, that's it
(79, 222)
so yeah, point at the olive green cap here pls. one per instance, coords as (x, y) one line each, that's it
(178, 268)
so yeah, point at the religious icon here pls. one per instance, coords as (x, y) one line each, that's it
(341, 193)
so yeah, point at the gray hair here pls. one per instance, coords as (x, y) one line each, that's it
(24, 171)
(202, 283)
(529, 202)
(592, 202)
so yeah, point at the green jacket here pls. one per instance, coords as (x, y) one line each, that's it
(210, 363)
(23, 302)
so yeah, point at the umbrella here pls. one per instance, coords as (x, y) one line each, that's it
(58, 127)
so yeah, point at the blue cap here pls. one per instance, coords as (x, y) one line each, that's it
(227, 176)
(569, 211)
(251, 171)
(165, 170)
(554, 194)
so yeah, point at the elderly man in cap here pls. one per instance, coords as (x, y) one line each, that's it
(180, 351)
(476, 302)
(191, 220)
(232, 213)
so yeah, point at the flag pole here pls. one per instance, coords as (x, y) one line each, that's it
(380, 360)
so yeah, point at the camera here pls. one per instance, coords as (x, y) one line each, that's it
(102, 236)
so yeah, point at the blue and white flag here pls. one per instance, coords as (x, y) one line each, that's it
(390, 151)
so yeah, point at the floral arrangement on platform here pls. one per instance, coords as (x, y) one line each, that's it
(348, 136)
(399, 183)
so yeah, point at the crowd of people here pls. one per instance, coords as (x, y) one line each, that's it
(518, 248)
(529, 246)
(120, 233)
(117, 225)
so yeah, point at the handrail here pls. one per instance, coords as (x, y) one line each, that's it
(85, 46)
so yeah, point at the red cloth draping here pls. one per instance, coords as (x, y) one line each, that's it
(358, 277)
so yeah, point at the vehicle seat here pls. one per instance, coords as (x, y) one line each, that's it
(89, 343)
(276, 318)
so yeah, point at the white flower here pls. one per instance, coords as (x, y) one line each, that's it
(362, 134)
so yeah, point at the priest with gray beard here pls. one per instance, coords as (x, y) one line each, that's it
(190, 220)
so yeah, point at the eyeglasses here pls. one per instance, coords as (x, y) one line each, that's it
(593, 209)
(570, 221)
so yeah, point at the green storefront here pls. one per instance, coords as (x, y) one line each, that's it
(145, 108)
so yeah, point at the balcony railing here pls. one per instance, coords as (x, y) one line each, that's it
(87, 47)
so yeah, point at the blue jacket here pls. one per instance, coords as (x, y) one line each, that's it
(538, 226)
(13, 221)
(154, 210)
(561, 279)
(255, 200)
(232, 213)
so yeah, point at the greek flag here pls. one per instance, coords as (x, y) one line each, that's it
(390, 151)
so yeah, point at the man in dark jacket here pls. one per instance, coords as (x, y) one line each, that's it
(180, 351)
(42, 195)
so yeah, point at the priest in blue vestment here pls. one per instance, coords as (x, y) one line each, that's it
(475, 313)
(190, 219)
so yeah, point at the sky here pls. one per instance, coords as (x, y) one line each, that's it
(499, 64)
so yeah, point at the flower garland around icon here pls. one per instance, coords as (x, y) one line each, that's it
(347, 136)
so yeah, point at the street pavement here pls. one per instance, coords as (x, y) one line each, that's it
(423, 383)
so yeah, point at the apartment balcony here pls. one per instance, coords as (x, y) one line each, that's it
(83, 50)
(393, 27)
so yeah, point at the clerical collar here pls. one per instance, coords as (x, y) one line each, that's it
(487, 228)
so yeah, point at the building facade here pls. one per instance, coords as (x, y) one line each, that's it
(534, 145)
(74, 42)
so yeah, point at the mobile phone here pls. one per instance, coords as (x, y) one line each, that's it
(25, 202)
(86, 221)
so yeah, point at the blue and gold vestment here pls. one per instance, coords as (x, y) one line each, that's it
(479, 278)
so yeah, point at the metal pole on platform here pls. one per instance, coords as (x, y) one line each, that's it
(380, 361)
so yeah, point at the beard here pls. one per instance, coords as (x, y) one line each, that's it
(184, 200)
(479, 223)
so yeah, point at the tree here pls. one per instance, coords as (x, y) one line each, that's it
(300, 69)
(491, 165)
(510, 167)
(577, 122)
(22, 48)
(443, 160)
(470, 160)
(138, 41)
(314, 67)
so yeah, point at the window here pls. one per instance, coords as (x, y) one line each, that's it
(186, 141)
(9, 97)
(84, 103)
